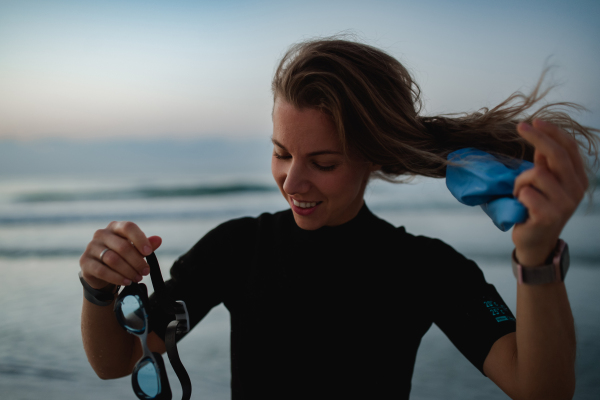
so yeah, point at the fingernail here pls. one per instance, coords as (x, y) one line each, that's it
(147, 250)
(126, 282)
(145, 271)
(138, 278)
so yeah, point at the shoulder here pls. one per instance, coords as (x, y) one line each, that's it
(240, 227)
(424, 246)
(239, 234)
(435, 247)
(439, 261)
(230, 243)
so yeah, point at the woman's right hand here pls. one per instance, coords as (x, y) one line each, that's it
(124, 261)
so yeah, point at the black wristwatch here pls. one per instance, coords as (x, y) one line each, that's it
(100, 297)
(554, 271)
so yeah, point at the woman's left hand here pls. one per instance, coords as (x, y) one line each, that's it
(551, 190)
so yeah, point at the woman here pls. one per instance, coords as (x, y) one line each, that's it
(326, 299)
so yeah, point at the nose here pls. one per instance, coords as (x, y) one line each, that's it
(297, 180)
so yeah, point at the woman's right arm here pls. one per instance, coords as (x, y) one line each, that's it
(111, 351)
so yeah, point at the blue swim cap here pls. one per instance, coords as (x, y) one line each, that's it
(481, 179)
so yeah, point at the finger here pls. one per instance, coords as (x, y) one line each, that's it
(92, 269)
(113, 260)
(133, 233)
(127, 252)
(549, 185)
(540, 210)
(557, 158)
(107, 238)
(568, 143)
(155, 242)
(542, 180)
(574, 190)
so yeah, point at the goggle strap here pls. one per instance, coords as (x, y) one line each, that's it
(157, 280)
(166, 303)
(181, 315)
(171, 344)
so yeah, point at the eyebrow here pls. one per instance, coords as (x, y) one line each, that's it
(314, 153)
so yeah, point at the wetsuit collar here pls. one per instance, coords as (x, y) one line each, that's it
(364, 215)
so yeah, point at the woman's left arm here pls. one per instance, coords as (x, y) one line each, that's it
(538, 360)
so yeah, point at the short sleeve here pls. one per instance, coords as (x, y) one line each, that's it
(203, 276)
(464, 306)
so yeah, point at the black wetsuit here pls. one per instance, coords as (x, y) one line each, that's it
(338, 312)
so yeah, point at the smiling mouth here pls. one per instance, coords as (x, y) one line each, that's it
(305, 204)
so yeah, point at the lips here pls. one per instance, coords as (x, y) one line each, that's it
(305, 204)
(304, 207)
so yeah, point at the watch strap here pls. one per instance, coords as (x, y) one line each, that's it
(100, 297)
(554, 271)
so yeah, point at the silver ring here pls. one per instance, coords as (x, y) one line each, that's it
(103, 253)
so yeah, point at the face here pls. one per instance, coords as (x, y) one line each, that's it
(322, 186)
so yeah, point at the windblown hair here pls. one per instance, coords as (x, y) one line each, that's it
(375, 105)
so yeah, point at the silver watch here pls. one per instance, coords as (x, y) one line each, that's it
(553, 272)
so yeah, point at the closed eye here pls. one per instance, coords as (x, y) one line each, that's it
(280, 157)
(324, 167)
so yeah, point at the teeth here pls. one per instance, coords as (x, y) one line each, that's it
(303, 205)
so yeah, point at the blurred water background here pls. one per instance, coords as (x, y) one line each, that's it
(55, 194)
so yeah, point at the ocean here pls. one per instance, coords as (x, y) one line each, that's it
(54, 195)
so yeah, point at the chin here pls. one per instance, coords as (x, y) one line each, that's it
(307, 225)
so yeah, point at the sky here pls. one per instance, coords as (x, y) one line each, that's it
(193, 69)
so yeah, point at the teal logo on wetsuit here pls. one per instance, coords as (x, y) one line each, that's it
(499, 311)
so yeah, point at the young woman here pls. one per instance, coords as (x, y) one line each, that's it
(326, 299)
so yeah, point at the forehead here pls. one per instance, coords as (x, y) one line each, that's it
(303, 130)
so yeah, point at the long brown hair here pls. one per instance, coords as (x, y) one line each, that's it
(375, 105)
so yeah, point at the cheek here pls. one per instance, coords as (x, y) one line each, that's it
(336, 185)
(278, 172)
(347, 185)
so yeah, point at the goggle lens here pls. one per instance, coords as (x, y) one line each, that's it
(131, 312)
(147, 377)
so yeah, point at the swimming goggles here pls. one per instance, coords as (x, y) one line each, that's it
(149, 377)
